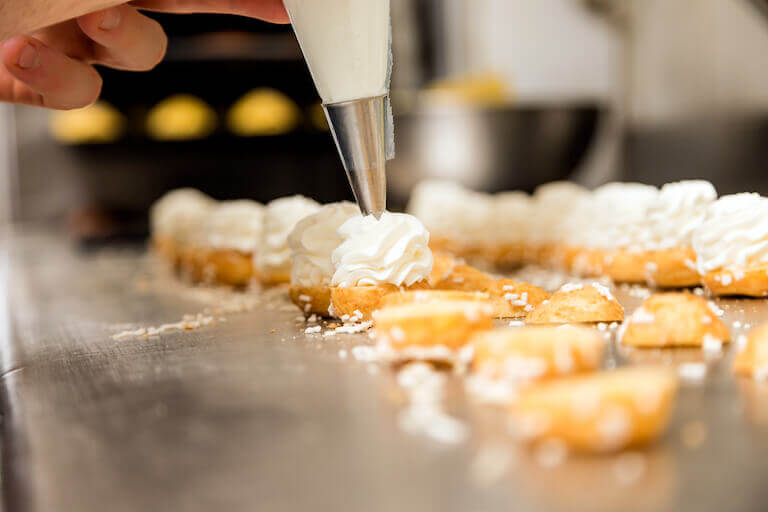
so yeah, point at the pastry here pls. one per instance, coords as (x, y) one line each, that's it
(731, 246)
(424, 296)
(553, 203)
(273, 256)
(448, 324)
(531, 353)
(610, 239)
(458, 219)
(464, 278)
(752, 355)
(181, 117)
(508, 229)
(673, 320)
(514, 299)
(511, 298)
(175, 219)
(678, 210)
(442, 266)
(578, 303)
(312, 242)
(603, 412)
(224, 252)
(377, 257)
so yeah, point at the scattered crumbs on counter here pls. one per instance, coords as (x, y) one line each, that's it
(187, 323)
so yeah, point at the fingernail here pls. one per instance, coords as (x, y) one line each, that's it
(28, 57)
(110, 20)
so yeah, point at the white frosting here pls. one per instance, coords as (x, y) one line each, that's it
(180, 214)
(677, 211)
(512, 213)
(616, 215)
(452, 211)
(312, 242)
(282, 215)
(393, 249)
(553, 204)
(734, 233)
(235, 225)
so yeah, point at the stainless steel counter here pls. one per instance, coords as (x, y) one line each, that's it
(233, 416)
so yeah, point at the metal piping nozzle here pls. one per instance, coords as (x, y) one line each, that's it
(359, 130)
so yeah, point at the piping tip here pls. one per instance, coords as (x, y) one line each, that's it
(359, 130)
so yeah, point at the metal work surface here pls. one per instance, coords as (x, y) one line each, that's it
(233, 416)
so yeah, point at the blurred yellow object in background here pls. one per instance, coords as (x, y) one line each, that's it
(317, 117)
(100, 123)
(263, 112)
(487, 89)
(181, 117)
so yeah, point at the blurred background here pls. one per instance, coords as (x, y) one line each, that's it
(496, 94)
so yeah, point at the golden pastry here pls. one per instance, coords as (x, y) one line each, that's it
(673, 320)
(752, 357)
(602, 412)
(530, 353)
(440, 323)
(576, 303)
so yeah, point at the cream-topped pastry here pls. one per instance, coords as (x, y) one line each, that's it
(273, 256)
(235, 225)
(179, 214)
(731, 245)
(554, 205)
(222, 250)
(507, 231)
(609, 231)
(393, 249)
(620, 211)
(677, 211)
(457, 218)
(312, 242)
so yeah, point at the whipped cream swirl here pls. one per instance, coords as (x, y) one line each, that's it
(235, 225)
(393, 249)
(273, 254)
(734, 233)
(179, 214)
(312, 242)
(678, 210)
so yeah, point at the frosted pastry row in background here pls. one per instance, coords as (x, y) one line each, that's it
(678, 236)
(291, 239)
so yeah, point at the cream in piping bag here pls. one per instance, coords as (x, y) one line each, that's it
(347, 46)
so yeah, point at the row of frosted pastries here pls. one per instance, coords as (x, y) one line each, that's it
(679, 235)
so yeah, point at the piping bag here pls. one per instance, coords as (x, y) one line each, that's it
(347, 45)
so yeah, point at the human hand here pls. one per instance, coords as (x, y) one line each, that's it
(53, 67)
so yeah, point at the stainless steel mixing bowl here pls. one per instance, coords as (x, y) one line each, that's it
(491, 149)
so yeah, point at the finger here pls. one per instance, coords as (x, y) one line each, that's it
(13, 91)
(125, 38)
(267, 10)
(62, 82)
